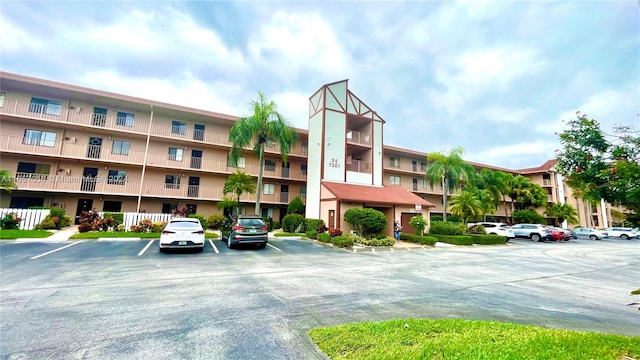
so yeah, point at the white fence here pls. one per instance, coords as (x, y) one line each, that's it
(28, 217)
(132, 218)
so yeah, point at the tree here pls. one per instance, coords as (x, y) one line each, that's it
(239, 183)
(296, 206)
(466, 206)
(265, 126)
(6, 181)
(600, 165)
(447, 170)
(526, 194)
(562, 212)
(226, 205)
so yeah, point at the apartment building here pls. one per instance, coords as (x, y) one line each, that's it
(80, 149)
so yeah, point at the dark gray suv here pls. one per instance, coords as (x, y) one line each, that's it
(245, 229)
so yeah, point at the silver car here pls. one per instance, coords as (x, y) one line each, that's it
(246, 230)
(588, 233)
(623, 233)
(535, 232)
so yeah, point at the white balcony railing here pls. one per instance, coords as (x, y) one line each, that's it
(356, 137)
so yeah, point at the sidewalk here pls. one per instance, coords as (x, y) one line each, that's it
(58, 236)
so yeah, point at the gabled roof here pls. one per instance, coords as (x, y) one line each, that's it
(388, 194)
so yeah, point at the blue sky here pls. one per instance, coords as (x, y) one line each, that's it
(494, 77)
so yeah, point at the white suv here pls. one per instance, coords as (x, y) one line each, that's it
(535, 232)
(621, 232)
(496, 228)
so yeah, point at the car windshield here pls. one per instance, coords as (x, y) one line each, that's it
(184, 225)
(250, 222)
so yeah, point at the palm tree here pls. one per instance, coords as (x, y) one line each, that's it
(486, 199)
(239, 183)
(265, 125)
(562, 212)
(448, 170)
(466, 206)
(226, 205)
(6, 181)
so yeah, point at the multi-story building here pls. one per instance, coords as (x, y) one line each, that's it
(80, 149)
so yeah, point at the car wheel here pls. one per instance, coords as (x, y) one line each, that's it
(535, 237)
(229, 244)
(593, 237)
(624, 237)
(262, 246)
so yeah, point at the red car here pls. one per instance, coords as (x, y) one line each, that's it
(558, 235)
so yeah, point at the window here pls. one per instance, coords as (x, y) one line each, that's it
(303, 169)
(305, 148)
(178, 127)
(112, 206)
(394, 180)
(303, 191)
(120, 147)
(241, 162)
(117, 177)
(124, 119)
(172, 182)
(175, 154)
(39, 138)
(44, 106)
(32, 171)
(423, 166)
(394, 162)
(269, 189)
(271, 144)
(423, 183)
(1, 99)
(270, 165)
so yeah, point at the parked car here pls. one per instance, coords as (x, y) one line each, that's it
(624, 233)
(496, 228)
(568, 234)
(246, 229)
(182, 233)
(588, 233)
(535, 232)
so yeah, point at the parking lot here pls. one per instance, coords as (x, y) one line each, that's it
(126, 300)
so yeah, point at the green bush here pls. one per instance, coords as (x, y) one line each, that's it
(527, 217)
(215, 221)
(418, 223)
(311, 234)
(46, 224)
(342, 241)
(10, 221)
(487, 239)
(384, 241)
(367, 222)
(454, 239)
(203, 222)
(422, 240)
(118, 217)
(313, 224)
(158, 226)
(324, 237)
(476, 229)
(296, 206)
(291, 222)
(120, 227)
(446, 228)
(276, 225)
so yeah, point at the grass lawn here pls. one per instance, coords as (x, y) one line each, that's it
(283, 234)
(114, 234)
(467, 339)
(23, 234)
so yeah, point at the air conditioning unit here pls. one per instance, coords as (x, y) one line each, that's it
(67, 171)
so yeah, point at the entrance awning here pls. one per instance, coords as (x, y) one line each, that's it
(388, 194)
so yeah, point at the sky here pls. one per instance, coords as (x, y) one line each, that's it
(494, 77)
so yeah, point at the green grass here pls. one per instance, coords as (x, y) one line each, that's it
(23, 234)
(467, 339)
(281, 234)
(113, 234)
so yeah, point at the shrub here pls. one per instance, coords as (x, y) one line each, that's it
(181, 211)
(418, 223)
(454, 239)
(46, 224)
(10, 221)
(446, 228)
(324, 237)
(311, 234)
(158, 226)
(117, 217)
(378, 241)
(488, 239)
(277, 225)
(291, 222)
(215, 221)
(203, 222)
(335, 232)
(476, 229)
(84, 227)
(422, 240)
(527, 217)
(366, 221)
(313, 224)
(453, 218)
(120, 227)
(296, 206)
(322, 228)
(342, 241)
(145, 225)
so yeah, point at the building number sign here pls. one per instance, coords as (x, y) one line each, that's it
(334, 163)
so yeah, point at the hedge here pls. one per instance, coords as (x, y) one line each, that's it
(454, 239)
(488, 239)
(422, 240)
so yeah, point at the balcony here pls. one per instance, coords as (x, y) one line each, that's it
(359, 166)
(74, 184)
(356, 137)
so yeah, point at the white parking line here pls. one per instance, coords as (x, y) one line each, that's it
(273, 247)
(146, 247)
(54, 250)
(214, 247)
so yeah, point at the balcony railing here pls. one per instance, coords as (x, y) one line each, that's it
(359, 166)
(356, 137)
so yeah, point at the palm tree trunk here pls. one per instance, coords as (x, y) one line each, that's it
(445, 193)
(259, 185)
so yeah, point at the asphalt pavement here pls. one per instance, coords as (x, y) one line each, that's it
(125, 300)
